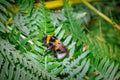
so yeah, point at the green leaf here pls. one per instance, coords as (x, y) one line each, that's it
(53, 65)
(101, 65)
(61, 35)
(3, 18)
(12, 0)
(2, 27)
(109, 70)
(17, 75)
(57, 70)
(84, 71)
(71, 53)
(113, 72)
(58, 30)
(74, 63)
(117, 76)
(6, 3)
(71, 45)
(36, 48)
(67, 41)
(2, 8)
(5, 67)
(11, 71)
(99, 77)
(23, 74)
(106, 65)
(18, 36)
(79, 68)
(23, 42)
(1, 60)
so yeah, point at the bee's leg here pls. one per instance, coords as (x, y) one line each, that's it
(49, 48)
(55, 54)
(45, 52)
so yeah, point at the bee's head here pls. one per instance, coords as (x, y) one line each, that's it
(44, 39)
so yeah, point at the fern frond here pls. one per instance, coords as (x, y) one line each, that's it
(72, 24)
(6, 3)
(19, 22)
(18, 65)
(5, 14)
(28, 6)
(74, 67)
(106, 70)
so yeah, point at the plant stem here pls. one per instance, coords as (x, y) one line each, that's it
(101, 14)
(59, 3)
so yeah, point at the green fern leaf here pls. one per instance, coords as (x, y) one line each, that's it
(3, 17)
(101, 65)
(79, 68)
(58, 30)
(81, 75)
(17, 72)
(109, 70)
(52, 65)
(67, 41)
(106, 70)
(2, 27)
(11, 71)
(106, 65)
(71, 53)
(113, 72)
(61, 34)
(85, 70)
(56, 71)
(3, 9)
(74, 63)
(26, 64)
(117, 76)
(6, 3)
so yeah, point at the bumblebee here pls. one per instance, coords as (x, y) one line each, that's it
(52, 43)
